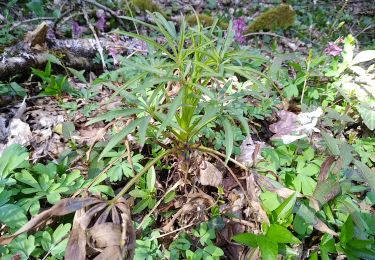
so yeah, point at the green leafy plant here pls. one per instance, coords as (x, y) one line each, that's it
(269, 243)
(355, 83)
(24, 189)
(52, 85)
(199, 246)
(180, 89)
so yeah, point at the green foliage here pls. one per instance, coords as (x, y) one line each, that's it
(269, 242)
(198, 100)
(282, 16)
(12, 89)
(355, 83)
(183, 246)
(52, 85)
(24, 189)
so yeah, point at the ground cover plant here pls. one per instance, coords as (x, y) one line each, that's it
(157, 130)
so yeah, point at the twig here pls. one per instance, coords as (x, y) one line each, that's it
(158, 203)
(109, 10)
(98, 45)
(60, 18)
(31, 20)
(174, 231)
(209, 150)
(267, 33)
(129, 155)
(242, 221)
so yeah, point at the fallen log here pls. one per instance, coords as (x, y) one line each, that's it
(37, 45)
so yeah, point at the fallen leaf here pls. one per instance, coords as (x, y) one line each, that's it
(63, 207)
(292, 127)
(274, 186)
(210, 175)
(248, 150)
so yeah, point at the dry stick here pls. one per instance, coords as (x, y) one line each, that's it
(209, 150)
(268, 33)
(96, 138)
(109, 10)
(174, 231)
(99, 46)
(233, 175)
(158, 203)
(242, 221)
(127, 145)
(31, 20)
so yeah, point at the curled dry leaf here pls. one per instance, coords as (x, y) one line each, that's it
(63, 207)
(95, 235)
(292, 127)
(274, 186)
(210, 175)
(250, 151)
(254, 193)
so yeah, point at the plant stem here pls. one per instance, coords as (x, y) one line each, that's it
(209, 150)
(307, 75)
(135, 179)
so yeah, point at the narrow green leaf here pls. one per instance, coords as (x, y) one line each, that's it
(172, 112)
(347, 231)
(151, 179)
(229, 138)
(142, 130)
(115, 114)
(332, 143)
(150, 41)
(286, 208)
(117, 138)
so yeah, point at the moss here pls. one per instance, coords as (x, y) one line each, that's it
(146, 5)
(282, 16)
(205, 20)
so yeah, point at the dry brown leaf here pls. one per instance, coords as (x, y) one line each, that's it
(104, 240)
(274, 186)
(210, 175)
(254, 193)
(63, 207)
(76, 248)
(105, 235)
(249, 150)
(112, 253)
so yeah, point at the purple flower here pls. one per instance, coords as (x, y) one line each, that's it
(113, 52)
(77, 30)
(239, 27)
(101, 23)
(332, 49)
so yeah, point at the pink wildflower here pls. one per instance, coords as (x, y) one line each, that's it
(332, 49)
(239, 27)
(77, 30)
(101, 23)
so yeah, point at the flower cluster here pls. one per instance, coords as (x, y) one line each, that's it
(239, 27)
(333, 49)
(77, 30)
